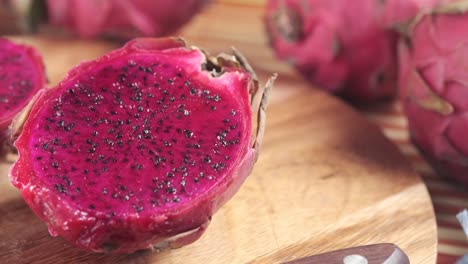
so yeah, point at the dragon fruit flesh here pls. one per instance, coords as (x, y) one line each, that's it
(122, 18)
(140, 147)
(433, 81)
(345, 47)
(21, 76)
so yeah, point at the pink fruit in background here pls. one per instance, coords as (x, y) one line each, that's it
(140, 147)
(434, 87)
(122, 18)
(21, 76)
(345, 47)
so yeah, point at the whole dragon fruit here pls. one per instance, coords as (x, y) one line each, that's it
(433, 81)
(21, 76)
(140, 147)
(346, 47)
(122, 18)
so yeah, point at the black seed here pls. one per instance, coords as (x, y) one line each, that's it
(233, 112)
(171, 190)
(207, 159)
(196, 180)
(60, 188)
(104, 191)
(170, 174)
(176, 199)
(226, 120)
(213, 107)
(91, 206)
(85, 171)
(172, 99)
(170, 81)
(92, 150)
(55, 165)
(202, 175)
(188, 133)
(140, 109)
(67, 180)
(95, 133)
(121, 187)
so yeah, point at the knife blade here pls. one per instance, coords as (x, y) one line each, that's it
(385, 253)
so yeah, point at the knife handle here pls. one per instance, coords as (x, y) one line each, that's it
(371, 254)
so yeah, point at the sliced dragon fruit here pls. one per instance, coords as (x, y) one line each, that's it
(140, 147)
(22, 74)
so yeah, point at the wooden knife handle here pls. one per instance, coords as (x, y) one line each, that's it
(371, 254)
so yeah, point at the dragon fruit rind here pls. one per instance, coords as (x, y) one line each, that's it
(433, 80)
(22, 74)
(140, 147)
(122, 18)
(345, 47)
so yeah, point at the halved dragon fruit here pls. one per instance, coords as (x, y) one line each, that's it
(22, 74)
(140, 147)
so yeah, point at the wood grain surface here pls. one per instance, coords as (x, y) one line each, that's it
(326, 178)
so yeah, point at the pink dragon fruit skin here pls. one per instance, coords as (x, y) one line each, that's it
(122, 18)
(22, 74)
(140, 147)
(433, 80)
(345, 47)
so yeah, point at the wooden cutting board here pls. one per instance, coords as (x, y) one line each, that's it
(326, 178)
